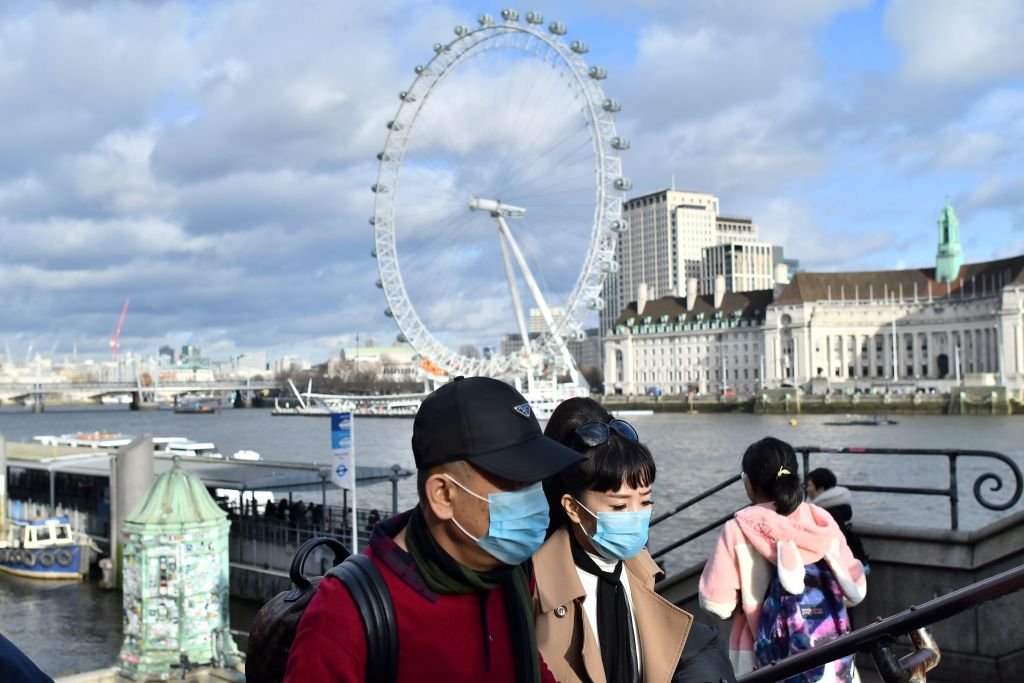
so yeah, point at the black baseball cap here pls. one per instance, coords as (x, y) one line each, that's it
(488, 423)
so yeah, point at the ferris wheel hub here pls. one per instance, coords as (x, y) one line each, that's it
(496, 208)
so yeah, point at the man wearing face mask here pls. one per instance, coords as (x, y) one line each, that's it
(597, 615)
(451, 564)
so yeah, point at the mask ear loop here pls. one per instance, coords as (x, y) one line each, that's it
(585, 533)
(455, 521)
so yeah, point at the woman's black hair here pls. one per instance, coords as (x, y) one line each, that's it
(606, 466)
(822, 478)
(771, 467)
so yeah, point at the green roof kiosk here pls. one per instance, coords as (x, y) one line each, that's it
(175, 581)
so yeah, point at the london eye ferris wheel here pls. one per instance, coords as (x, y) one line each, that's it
(499, 179)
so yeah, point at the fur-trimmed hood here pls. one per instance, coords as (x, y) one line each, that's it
(801, 538)
(837, 495)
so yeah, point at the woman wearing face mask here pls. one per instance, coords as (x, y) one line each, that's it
(596, 613)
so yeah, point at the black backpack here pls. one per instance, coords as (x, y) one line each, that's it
(273, 630)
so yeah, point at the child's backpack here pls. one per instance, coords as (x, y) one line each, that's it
(793, 623)
(273, 630)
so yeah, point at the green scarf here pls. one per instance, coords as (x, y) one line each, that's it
(446, 576)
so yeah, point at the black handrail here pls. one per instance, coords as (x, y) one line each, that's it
(951, 491)
(915, 617)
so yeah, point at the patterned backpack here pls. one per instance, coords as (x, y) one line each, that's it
(794, 623)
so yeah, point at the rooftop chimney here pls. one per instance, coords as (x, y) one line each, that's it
(641, 298)
(719, 290)
(691, 293)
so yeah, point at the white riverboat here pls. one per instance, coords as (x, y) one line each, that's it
(162, 445)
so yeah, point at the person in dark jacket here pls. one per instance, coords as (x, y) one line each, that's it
(824, 491)
(16, 667)
(452, 564)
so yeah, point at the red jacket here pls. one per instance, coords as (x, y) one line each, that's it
(444, 638)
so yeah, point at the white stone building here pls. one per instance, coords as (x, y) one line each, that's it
(700, 344)
(901, 330)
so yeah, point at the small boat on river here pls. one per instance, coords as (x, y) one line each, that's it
(863, 421)
(45, 549)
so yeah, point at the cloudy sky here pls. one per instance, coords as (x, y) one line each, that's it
(212, 160)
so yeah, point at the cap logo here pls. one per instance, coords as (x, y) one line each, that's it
(523, 409)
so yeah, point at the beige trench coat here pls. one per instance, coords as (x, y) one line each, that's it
(564, 636)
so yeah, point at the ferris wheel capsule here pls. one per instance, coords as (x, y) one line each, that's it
(378, 188)
(597, 73)
(623, 184)
(461, 30)
(595, 303)
(383, 156)
(485, 20)
(611, 106)
(379, 284)
(557, 27)
(620, 143)
(579, 47)
(373, 220)
(534, 18)
(617, 226)
(509, 15)
(610, 266)
(394, 125)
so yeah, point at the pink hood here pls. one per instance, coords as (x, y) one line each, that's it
(809, 527)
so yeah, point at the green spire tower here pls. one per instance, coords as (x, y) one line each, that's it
(950, 256)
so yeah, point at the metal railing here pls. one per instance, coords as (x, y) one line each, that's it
(992, 480)
(952, 490)
(877, 637)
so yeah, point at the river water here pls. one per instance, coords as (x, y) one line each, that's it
(76, 627)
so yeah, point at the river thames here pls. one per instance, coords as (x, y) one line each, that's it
(71, 628)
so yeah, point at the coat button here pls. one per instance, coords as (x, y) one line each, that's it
(560, 611)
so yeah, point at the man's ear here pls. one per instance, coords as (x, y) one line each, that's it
(438, 493)
(571, 507)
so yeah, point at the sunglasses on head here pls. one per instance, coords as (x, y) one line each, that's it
(596, 433)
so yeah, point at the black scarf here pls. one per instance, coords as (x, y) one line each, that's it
(614, 624)
(446, 576)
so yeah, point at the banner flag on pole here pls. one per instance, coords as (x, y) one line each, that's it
(343, 474)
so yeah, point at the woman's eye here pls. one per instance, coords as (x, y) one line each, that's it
(618, 508)
(648, 503)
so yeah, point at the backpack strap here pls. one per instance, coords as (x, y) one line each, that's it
(364, 582)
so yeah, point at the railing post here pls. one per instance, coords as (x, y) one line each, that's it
(954, 496)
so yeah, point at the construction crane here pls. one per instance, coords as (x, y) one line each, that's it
(116, 335)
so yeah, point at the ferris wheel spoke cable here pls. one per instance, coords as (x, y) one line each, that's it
(524, 144)
(521, 144)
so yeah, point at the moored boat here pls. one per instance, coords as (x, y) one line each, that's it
(45, 549)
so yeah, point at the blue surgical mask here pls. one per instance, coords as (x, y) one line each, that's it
(519, 521)
(619, 535)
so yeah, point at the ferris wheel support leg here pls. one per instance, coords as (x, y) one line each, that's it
(513, 287)
(531, 284)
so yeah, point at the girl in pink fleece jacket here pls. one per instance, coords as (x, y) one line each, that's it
(778, 533)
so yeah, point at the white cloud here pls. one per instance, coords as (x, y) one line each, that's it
(957, 41)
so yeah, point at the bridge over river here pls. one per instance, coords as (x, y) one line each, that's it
(142, 395)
